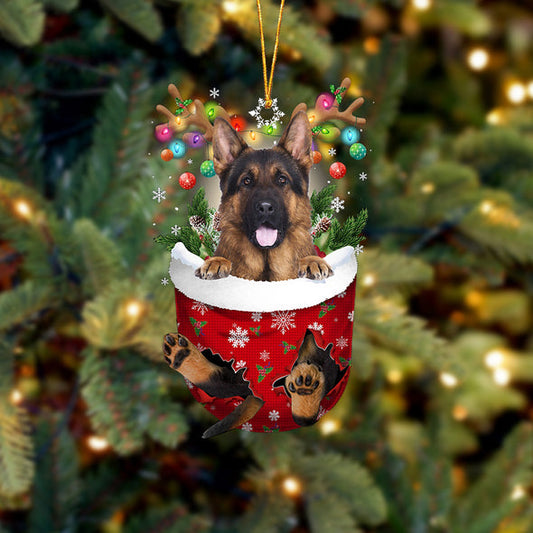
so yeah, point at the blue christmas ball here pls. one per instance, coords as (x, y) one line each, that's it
(350, 135)
(207, 168)
(178, 148)
(357, 151)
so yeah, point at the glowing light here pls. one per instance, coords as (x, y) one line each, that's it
(178, 121)
(474, 299)
(371, 45)
(369, 280)
(231, 6)
(253, 135)
(16, 397)
(448, 380)
(495, 117)
(421, 5)
(394, 375)
(530, 89)
(23, 209)
(494, 358)
(516, 93)
(329, 426)
(97, 444)
(292, 486)
(134, 308)
(478, 59)
(428, 188)
(486, 207)
(501, 376)
(518, 493)
(459, 413)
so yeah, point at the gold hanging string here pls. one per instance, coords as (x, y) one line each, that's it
(268, 79)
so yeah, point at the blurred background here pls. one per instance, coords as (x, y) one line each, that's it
(434, 432)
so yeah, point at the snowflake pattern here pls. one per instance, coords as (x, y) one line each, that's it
(188, 383)
(316, 327)
(264, 355)
(200, 307)
(247, 426)
(164, 281)
(175, 229)
(189, 161)
(273, 415)
(358, 249)
(342, 342)
(159, 195)
(341, 294)
(337, 204)
(276, 117)
(283, 320)
(256, 317)
(214, 92)
(363, 176)
(238, 337)
(350, 316)
(240, 364)
(332, 151)
(321, 413)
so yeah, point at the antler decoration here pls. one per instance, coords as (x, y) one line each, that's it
(325, 111)
(197, 118)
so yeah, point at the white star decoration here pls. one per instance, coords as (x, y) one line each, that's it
(363, 176)
(276, 117)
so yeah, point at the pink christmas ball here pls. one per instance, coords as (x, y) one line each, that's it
(187, 180)
(337, 170)
(163, 133)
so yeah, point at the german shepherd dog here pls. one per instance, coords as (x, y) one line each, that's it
(265, 221)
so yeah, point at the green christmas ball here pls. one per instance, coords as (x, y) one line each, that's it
(207, 168)
(357, 151)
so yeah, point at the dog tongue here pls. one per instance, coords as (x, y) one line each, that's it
(266, 236)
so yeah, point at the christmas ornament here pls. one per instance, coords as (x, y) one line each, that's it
(238, 123)
(178, 148)
(317, 157)
(194, 140)
(357, 151)
(207, 168)
(166, 154)
(272, 122)
(187, 180)
(350, 135)
(163, 133)
(210, 110)
(337, 170)
(325, 101)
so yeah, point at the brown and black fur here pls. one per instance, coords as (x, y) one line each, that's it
(214, 376)
(264, 188)
(313, 375)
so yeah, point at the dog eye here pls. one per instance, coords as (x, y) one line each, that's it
(247, 181)
(282, 179)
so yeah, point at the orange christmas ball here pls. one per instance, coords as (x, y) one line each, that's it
(166, 154)
(187, 180)
(337, 170)
(317, 157)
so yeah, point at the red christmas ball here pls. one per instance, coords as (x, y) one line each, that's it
(317, 157)
(187, 180)
(166, 154)
(337, 170)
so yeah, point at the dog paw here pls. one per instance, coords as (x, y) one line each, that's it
(314, 267)
(306, 387)
(214, 268)
(176, 349)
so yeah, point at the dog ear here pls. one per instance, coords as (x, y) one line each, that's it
(227, 145)
(309, 345)
(296, 139)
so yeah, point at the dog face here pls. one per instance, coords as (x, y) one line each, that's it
(263, 189)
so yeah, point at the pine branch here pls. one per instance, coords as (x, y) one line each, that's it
(22, 22)
(266, 513)
(321, 202)
(349, 233)
(186, 235)
(199, 24)
(199, 205)
(173, 518)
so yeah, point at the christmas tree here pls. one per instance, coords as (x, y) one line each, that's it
(434, 432)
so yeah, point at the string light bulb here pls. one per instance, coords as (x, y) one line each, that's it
(329, 426)
(501, 376)
(516, 92)
(97, 444)
(23, 208)
(421, 5)
(134, 308)
(292, 486)
(448, 380)
(494, 358)
(478, 59)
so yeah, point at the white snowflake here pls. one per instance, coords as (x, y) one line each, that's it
(358, 249)
(238, 337)
(247, 426)
(350, 316)
(240, 364)
(201, 347)
(283, 320)
(341, 294)
(214, 92)
(188, 383)
(316, 326)
(159, 195)
(332, 151)
(342, 342)
(189, 161)
(273, 415)
(363, 176)
(200, 307)
(337, 204)
(276, 117)
(256, 317)
(264, 355)
(321, 413)
(164, 281)
(175, 229)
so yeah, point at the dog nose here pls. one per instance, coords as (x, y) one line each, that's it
(264, 208)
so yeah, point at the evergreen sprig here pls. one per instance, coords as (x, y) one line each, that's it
(348, 234)
(321, 201)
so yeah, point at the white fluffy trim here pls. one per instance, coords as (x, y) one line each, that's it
(241, 294)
